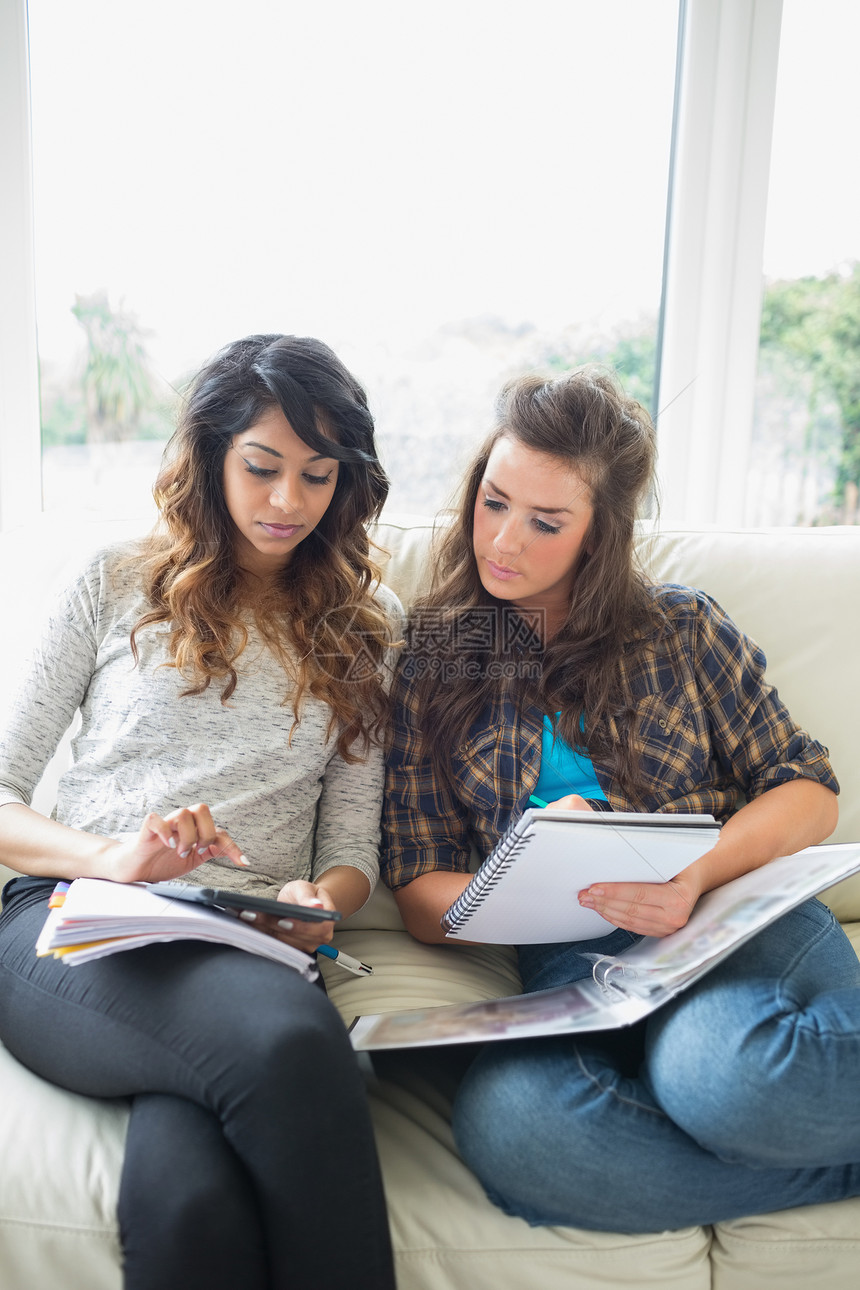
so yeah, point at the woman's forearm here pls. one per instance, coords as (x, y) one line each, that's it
(33, 844)
(423, 901)
(780, 822)
(348, 887)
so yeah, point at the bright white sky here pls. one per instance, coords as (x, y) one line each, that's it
(360, 171)
(368, 171)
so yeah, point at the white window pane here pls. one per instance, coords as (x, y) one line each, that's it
(446, 194)
(805, 466)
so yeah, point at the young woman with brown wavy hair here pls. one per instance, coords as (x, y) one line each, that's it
(230, 676)
(315, 609)
(543, 662)
(609, 604)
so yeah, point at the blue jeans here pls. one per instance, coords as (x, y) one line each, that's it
(738, 1097)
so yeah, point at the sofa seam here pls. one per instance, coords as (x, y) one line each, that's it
(787, 1243)
(436, 1252)
(106, 1232)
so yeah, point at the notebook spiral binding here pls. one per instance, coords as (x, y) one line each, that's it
(514, 841)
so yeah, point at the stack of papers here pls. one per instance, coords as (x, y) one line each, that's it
(96, 917)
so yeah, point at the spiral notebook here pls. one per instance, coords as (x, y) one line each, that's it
(526, 891)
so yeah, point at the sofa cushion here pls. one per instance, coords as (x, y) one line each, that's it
(447, 1237)
(407, 974)
(820, 1244)
(61, 1158)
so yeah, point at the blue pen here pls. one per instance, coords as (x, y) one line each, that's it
(345, 960)
(538, 801)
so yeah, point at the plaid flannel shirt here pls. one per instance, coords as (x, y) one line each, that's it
(711, 734)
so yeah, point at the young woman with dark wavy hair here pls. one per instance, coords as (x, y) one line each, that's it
(229, 672)
(544, 662)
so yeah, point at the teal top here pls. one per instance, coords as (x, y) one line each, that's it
(563, 770)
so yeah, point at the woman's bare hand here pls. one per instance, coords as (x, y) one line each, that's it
(169, 847)
(571, 802)
(300, 933)
(645, 908)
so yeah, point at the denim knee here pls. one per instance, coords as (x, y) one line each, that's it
(499, 1125)
(532, 1120)
(758, 1061)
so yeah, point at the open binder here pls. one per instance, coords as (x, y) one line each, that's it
(526, 891)
(624, 989)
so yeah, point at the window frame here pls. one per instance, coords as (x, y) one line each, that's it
(713, 266)
(20, 429)
(712, 285)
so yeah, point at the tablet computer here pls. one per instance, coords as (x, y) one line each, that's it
(221, 898)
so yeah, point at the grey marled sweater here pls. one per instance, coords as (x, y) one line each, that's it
(295, 809)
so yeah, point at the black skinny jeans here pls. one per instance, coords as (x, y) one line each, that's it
(250, 1160)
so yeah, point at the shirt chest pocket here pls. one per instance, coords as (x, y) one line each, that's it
(487, 771)
(672, 742)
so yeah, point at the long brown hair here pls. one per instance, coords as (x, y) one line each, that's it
(320, 617)
(585, 420)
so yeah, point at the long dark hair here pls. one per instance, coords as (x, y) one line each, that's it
(320, 616)
(585, 420)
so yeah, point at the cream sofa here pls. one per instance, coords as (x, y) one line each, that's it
(798, 593)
